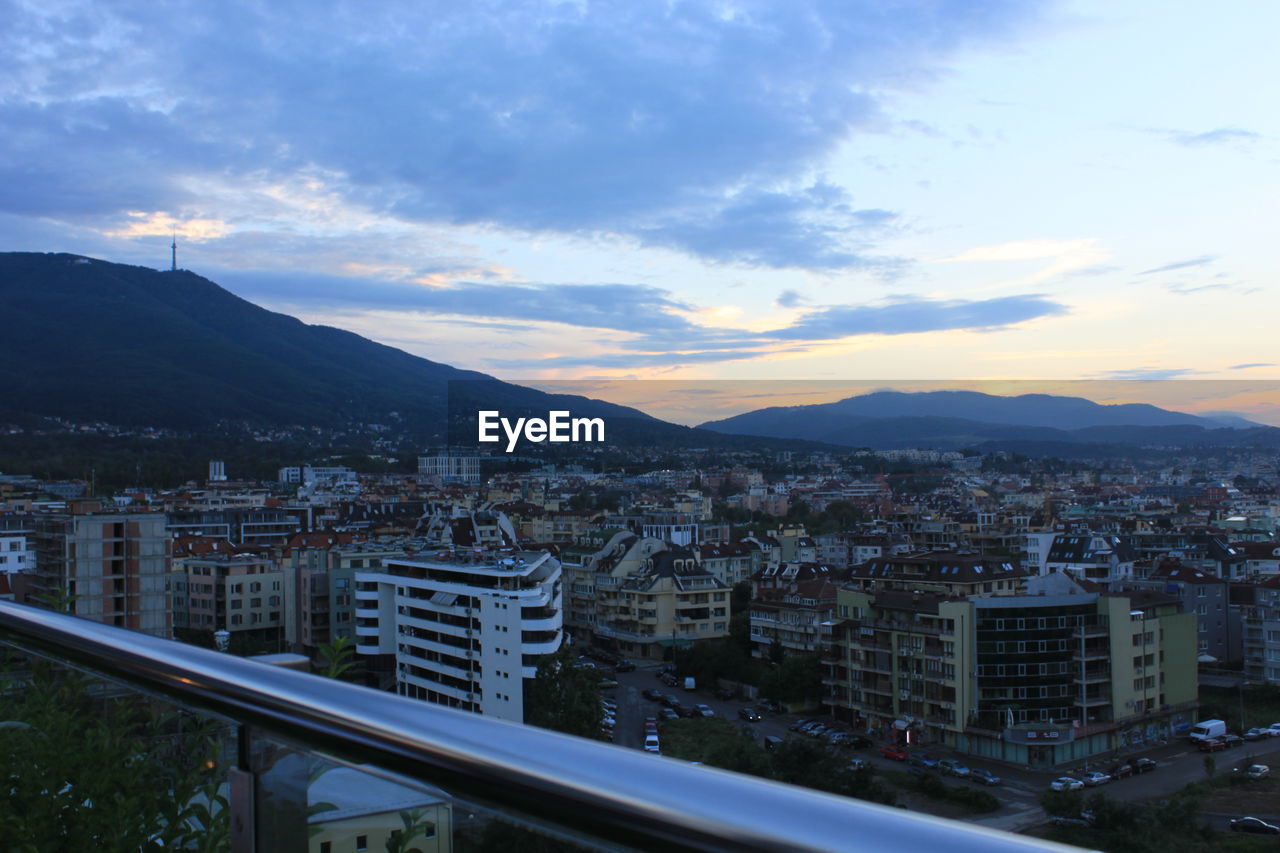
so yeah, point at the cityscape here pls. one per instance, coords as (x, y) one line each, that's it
(589, 426)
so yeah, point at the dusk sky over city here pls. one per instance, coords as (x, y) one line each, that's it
(766, 191)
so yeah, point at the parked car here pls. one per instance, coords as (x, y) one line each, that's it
(1232, 740)
(951, 767)
(651, 743)
(923, 759)
(1121, 771)
(686, 711)
(1258, 771)
(607, 684)
(896, 753)
(1066, 783)
(1274, 729)
(986, 777)
(653, 694)
(1144, 765)
(1094, 778)
(667, 714)
(1255, 825)
(799, 724)
(751, 715)
(670, 701)
(704, 710)
(1212, 744)
(624, 666)
(857, 742)
(1257, 734)
(668, 679)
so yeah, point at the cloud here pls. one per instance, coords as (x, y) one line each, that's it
(1251, 365)
(917, 315)
(652, 324)
(789, 299)
(692, 126)
(1147, 373)
(1180, 265)
(620, 307)
(1218, 136)
(1022, 250)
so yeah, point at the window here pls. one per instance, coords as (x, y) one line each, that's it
(362, 842)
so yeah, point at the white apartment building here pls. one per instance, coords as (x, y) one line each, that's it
(466, 628)
(15, 554)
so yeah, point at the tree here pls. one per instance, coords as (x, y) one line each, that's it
(339, 656)
(89, 770)
(1062, 803)
(564, 697)
(777, 654)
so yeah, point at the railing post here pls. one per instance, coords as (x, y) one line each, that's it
(267, 797)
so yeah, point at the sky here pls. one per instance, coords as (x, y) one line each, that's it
(756, 191)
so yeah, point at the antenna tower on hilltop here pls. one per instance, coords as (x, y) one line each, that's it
(174, 248)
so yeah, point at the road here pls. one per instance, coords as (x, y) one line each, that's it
(1179, 763)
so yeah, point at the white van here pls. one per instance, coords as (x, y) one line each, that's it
(1207, 729)
(651, 743)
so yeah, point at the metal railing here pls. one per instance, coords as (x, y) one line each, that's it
(620, 795)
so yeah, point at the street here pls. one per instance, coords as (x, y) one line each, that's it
(1179, 763)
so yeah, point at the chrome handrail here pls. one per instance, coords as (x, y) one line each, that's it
(616, 793)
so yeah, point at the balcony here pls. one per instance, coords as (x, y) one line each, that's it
(247, 750)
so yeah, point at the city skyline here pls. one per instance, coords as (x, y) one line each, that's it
(979, 191)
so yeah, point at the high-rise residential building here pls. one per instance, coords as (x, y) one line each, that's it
(114, 566)
(1057, 675)
(464, 628)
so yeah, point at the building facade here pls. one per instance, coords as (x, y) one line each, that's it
(464, 630)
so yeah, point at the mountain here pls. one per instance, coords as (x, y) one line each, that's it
(93, 341)
(955, 419)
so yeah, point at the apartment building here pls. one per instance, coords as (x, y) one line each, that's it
(1057, 675)
(1219, 631)
(320, 585)
(1259, 604)
(789, 604)
(16, 554)
(639, 595)
(114, 565)
(941, 572)
(1102, 558)
(464, 628)
(242, 593)
(729, 562)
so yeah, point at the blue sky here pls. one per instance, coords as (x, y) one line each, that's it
(680, 190)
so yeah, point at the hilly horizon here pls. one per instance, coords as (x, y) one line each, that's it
(140, 347)
(957, 419)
